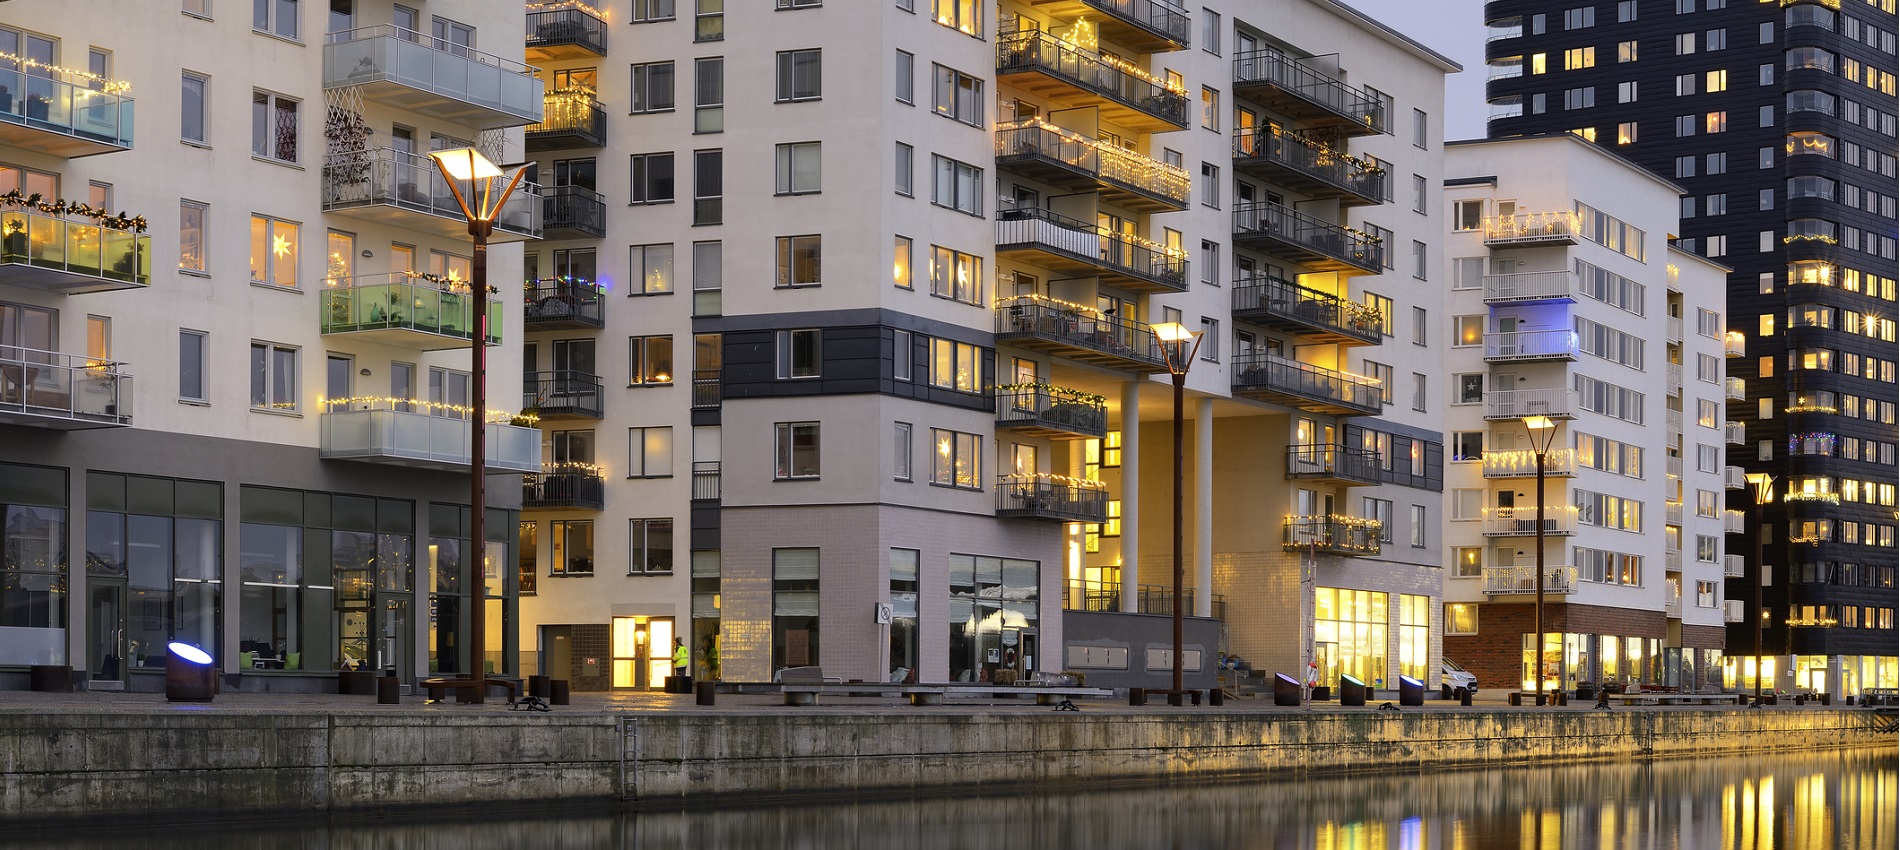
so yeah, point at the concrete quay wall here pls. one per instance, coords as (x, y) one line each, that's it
(61, 766)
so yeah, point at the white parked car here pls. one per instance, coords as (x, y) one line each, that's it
(1455, 677)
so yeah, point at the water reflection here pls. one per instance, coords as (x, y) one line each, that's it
(1787, 802)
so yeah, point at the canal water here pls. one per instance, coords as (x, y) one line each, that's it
(1824, 801)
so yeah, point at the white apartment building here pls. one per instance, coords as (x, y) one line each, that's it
(241, 421)
(1567, 301)
(910, 253)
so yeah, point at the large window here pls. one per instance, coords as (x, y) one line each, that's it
(956, 365)
(1349, 629)
(797, 168)
(650, 178)
(573, 542)
(654, 266)
(274, 252)
(796, 445)
(652, 89)
(709, 95)
(799, 353)
(994, 614)
(273, 377)
(799, 75)
(193, 366)
(1415, 636)
(956, 185)
(965, 16)
(273, 127)
(956, 275)
(650, 452)
(794, 608)
(709, 181)
(191, 111)
(649, 546)
(33, 602)
(650, 360)
(903, 627)
(799, 261)
(277, 17)
(958, 95)
(956, 459)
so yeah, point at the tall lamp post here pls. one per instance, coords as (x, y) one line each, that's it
(475, 181)
(1764, 485)
(1179, 355)
(1542, 430)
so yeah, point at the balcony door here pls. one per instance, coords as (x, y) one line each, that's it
(453, 36)
(574, 360)
(575, 172)
(447, 387)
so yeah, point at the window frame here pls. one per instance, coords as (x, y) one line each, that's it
(787, 73)
(796, 252)
(786, 157)
(786, 451)
(640, 533)
(271, 388)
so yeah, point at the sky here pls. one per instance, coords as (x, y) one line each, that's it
(1454, 28)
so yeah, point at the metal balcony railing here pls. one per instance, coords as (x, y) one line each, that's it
(1556, 285)
(569, 119)
(1735, 344)
(1317, 243)
(1556, 343)
(565, 33)
(706, 389)
(1057, 412)
(1733, 478)
(1732, 566)
(1733, 523)
(1672, 466)
(1332, 534)
(1035, 141)
(1078, 333)
(1734, 389)
(1733, 612)
(1306, 157)
(1309, 94)
(46, 110)
(1735, 433)
(564, 394)
(1532, 228)
(64, 392)
(49, 253)
(1672, 330)
(1672, 375)
(1043, 496)
(1672, 513)
(1299, 384)
(1554, 402)
(1516, 522)
(569, 486)
(1522, 579)
(407, 188)
(557, 304)
(1160, 19)
(706, 480)
(1147, 101)
(406, 309)
(1354, 466)
(432, 76)
(1278, 303)
(1084, 595)
(1672, 558)
(571, 211)
(1523, 464)
(1128, 260)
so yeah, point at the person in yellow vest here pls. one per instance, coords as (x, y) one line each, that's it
(682, 658)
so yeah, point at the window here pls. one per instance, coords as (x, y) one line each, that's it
(956, 185)
(652, 89)
(274, 251)
(1210, 31)
(1418, 194)
(1626, 51)
(649, 546)
(194, 366)
(795, 607)
(964, 16)
(1210, 185)
(900, 449)
(1419, 260)
(1716, 163)
(1625, 11)
(799, 4)
(709, 20)
(1469, 387)
(1715, 40)
(1577, 58)
(708, 277)
(797, 450)
(1582, 98)
(1210, 262)
(1382, 312)
(904, 156)
(1210, 109)
(1583, 18)
(191, 109)
(956, 365)
(573, 547)
(1210, 339)
(1418, 391)
(798, 168)
(906, 74)
(1380, 511)
(955, 275)
(654, 266)
(1467, 272)
(650, 360)
(1707, 412)
(1467, 445)
(273, 377)
(1382, 373)
(709, 95)
(1685, 84)
(1685, 43)
(651, 178)
(650, 452)
(1467, 215)
(1467, 505)
(1715, 81)
(1706, 548)
(798, 261)
(191, 235)
(273, 127)
(1626, 133)
(799, 75)
(1626, 92)
(708, 187)
(956, 459)
(648, 11)
(1461, 618)
(958, 95)
(799, 353)
(900, 262)
(277, 18)
(1467, 330)
(1421, 127)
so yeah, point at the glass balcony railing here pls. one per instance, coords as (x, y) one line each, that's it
(406, 309)
(1552, 344)
(569, 119)
(1332, 534)
(1129, 96)
(1554, 402)
(412, 433)
(432, 76)
(1078, 333)
(1305, 93)
(39, 111)
(1045, 410)
(41, 251)
(1304, 385)
(1735, 389)
(1070, 244)
(1281, 304)
(570, 211)
(1321, 244)
(64, 392)
(1523, 464)
(572, 486)
(1557, 285)
(1052, 497)
(562, 394)
(558, 304)
(408, 189)
(564, 31)
(1313, 164)
(1532, 229)
(1158, 185)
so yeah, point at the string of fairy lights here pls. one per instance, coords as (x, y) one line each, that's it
(107, 85)
(416, 405)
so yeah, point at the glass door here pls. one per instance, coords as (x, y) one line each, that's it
(105, 620)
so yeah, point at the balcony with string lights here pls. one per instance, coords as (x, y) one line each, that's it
(1071, 75)
(1071, 161)
(62, 112)
(1143, 26)
(412, 310)
(407, 190)
(565, 29)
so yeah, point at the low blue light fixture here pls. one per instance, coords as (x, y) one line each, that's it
(1411, 691)
(191, 675)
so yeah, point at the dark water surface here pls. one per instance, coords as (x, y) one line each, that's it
(1845, 800)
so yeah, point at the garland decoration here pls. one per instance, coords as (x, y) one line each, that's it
(105, 218)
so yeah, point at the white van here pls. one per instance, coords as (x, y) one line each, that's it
(1455, 677)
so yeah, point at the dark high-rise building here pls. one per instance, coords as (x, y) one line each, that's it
(1778, 118)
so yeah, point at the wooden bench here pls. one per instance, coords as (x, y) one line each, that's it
(807, 694)
(465, 688)
(1653, 698)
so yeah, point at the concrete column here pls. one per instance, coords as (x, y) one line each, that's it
(78, 609)
(1204, 507)
(1131, 493)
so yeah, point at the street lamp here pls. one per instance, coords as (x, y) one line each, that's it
(1542, 430)
(1764, 485)
(481, 205)
(1179, 355)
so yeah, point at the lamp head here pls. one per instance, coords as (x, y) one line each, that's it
(1542, 430)
(1764, 485)
(1173, 332)
(187, 652)
(465, 164)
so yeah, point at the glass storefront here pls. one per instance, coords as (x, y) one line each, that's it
(154, 570)
(643, 652)
(903, 624)
(1415, 636)
(1349, 631)
(993, 617)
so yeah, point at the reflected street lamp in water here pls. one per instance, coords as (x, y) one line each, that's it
(479, 189)
(1764, 485)
(1179, 355)
(1542, 431)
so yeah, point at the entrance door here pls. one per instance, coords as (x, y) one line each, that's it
(557, 652)
(643, 652)
(105, 648)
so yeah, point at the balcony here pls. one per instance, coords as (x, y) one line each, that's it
(706, 481)
(1672, 467)
(1083, 595)
(1529, 287)
(421, 435)
(1331, 535)
(570, 32)
(571, 212)
(1280, 82)
(1734, 389)
(1732, 611)
(565, 394)
(1080, 249)
(1554, 344)
(1735, 433)
(1332, 465)
(1554, 402)
(1559, 520)
(1322, 246)
(1672, 607)
(1522, 580)
(1073, 162)
(62, 392)
(1672, 330)
(1051, 497)
(1078, 333)
(1070, 76)
(1520, 463)
(706, 389)
(566, 486)
(1672, 424)
(1265, 377)
(1733, 523)
(1732, 566)
(1143, 26)
(1058, 413)
(569, 119)
(52, 254)
(1734, 344)
(407, 190)
(1531, 229)
(50, 115)
(555, 304)
(1672, 557)
(1672, 374)
(1733, 478)
(1321, 316)
(1672, 513)
(429, 76)
(407, 310)
(1310, 166)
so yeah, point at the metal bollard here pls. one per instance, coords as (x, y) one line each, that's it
(1137, 696)
(1215, 696)
(704, 693)
(1464, 697)
(388, 690)
(557, 692)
